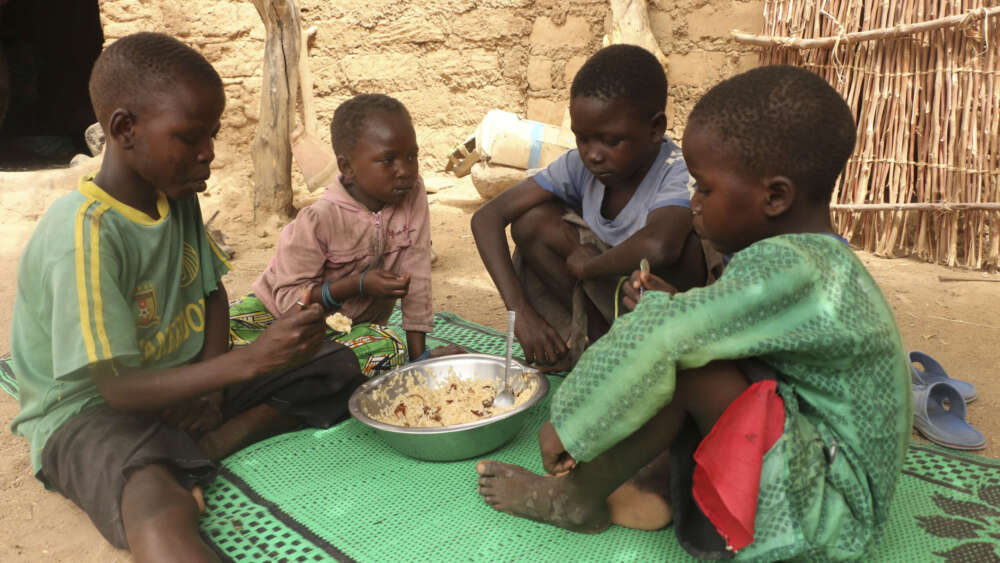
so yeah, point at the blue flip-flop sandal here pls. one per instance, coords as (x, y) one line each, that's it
(933, 372)
(939, 415)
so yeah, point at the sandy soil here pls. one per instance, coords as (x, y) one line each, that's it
(956, 322)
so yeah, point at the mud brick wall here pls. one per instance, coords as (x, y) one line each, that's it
(449, 61)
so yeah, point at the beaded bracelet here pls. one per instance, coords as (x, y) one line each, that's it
(328, 301)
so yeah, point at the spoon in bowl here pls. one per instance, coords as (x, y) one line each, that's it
(505, 398)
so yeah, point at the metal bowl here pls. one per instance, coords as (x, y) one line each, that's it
(459, 441)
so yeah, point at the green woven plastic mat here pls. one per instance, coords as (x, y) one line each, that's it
(341, 494)
(449, 328)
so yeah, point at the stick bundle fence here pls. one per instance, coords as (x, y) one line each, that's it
(923, 80)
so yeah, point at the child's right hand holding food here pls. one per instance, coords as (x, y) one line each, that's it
(382, 283)
(292, 338)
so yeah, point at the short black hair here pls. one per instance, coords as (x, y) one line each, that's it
(782, 120)
(625, 72)
(349, 118)
(138, 66)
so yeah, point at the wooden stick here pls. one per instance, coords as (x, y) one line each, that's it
(212, 218)
(960, 279)
(895, 32)
(940, 206)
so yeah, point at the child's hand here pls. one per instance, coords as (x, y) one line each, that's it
(555, 458)
(641, 281)
(380, 283)
(197, 415)
(295, 336)
(577, 261)
(540, 342)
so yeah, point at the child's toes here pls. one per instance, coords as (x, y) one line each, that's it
(199, 498)
(486, 468)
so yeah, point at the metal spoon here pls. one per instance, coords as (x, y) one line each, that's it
(644, 268)
(505, 398)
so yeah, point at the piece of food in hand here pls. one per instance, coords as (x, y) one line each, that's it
(339, 322)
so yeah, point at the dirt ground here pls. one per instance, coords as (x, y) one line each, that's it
(956, 322)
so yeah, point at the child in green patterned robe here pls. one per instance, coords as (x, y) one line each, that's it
(779, 395)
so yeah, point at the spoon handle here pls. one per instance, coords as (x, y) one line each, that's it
(510, 341)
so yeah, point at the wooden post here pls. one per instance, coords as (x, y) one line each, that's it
(271, 152)
(630, 24)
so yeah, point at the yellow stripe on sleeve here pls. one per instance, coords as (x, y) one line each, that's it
(218, 252)
(95, 278)
(81, 282)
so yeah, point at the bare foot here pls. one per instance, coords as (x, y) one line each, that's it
(553, 500)
(199, 498)
(633, 507)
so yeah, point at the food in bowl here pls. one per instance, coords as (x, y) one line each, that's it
(458, 441)
(451, 401)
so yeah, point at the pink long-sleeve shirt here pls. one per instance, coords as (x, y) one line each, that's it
(336, 237)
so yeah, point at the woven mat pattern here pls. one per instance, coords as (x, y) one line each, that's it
(350, 492)
(342, 495)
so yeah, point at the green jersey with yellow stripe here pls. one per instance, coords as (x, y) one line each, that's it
(101, 280)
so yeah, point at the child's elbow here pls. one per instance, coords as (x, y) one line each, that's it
(482, 219)
(114, 399)
(113, 392)
(665, 252)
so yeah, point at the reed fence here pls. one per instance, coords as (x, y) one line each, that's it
(923, 80)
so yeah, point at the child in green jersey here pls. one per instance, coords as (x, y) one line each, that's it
(128, 391)
(779, 395)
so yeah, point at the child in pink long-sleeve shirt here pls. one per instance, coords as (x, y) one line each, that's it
(364, 244)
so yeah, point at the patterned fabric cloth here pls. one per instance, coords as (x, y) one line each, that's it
(806, 306)
(379, 349)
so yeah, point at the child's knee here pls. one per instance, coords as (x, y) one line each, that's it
(160, 518)
(536, 224)
(717, 369)
(152, 494)
(720, 378)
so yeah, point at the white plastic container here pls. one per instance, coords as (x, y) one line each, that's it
(506, 139)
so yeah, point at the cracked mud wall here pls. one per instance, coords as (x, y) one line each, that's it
(449, 61)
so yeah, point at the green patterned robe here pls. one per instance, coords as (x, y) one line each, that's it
(806, 306)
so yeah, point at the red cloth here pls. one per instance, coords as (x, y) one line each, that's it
(728, 461)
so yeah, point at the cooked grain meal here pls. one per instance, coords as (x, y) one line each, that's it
(454, 401)
(339, 322)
